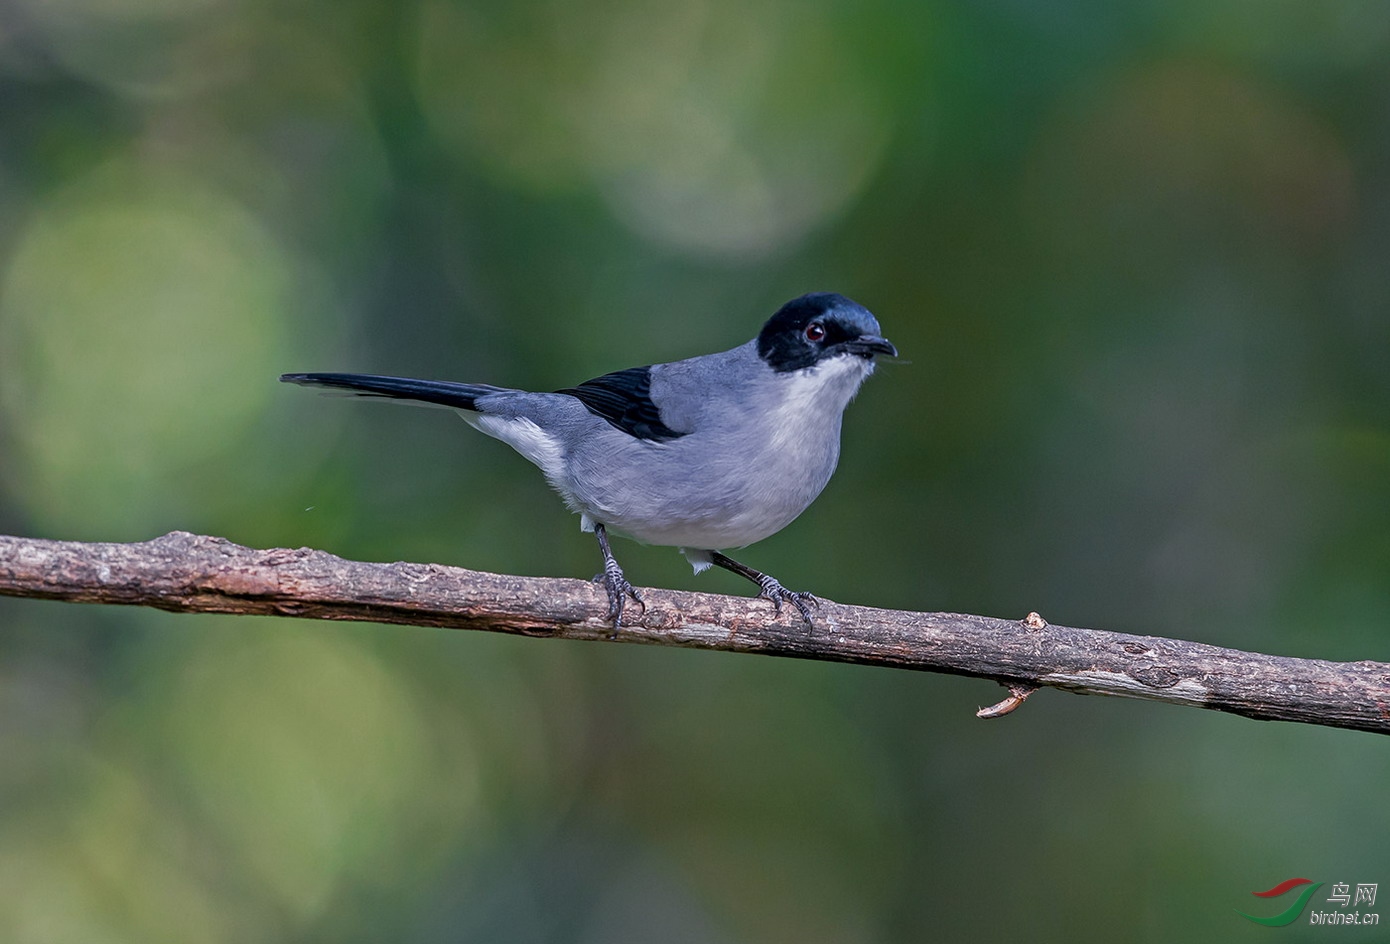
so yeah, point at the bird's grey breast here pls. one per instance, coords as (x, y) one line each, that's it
(754, 450)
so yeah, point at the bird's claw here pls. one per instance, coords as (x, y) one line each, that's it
(774, 591)
(618, 589)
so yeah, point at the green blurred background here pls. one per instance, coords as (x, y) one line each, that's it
(1138, 258)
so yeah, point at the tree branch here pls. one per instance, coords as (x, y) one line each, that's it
(195, 573)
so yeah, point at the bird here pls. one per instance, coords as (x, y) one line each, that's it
(707, 454)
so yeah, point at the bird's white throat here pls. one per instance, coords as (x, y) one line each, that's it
(821, 391)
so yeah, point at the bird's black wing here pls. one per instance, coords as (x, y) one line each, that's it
(624, 399)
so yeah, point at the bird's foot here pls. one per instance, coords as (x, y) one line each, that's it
(774, 591)
(618, 590)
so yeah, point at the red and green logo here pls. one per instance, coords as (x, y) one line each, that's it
(1292, 913)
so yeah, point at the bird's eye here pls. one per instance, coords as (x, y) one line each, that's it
(815, 331)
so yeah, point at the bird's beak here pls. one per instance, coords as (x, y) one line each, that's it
(867, 345)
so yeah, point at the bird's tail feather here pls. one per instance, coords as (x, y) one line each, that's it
(461, 396)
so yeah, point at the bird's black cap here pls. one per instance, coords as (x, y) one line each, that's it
(809, 329)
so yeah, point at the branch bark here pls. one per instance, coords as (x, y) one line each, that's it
(191, 573)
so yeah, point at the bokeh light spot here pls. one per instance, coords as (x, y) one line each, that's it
(135, 323)
(727, 129)
(308, 757)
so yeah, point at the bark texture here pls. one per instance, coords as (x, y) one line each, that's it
(199, 574)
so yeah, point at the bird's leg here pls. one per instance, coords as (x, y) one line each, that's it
(769, 588)
(614, 582)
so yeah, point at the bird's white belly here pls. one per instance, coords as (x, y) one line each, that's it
(722, 533)
(723, 486)
(725, 497)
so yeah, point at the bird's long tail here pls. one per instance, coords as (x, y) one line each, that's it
(459, 396)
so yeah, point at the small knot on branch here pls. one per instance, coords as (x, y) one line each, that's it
(1018, 694)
